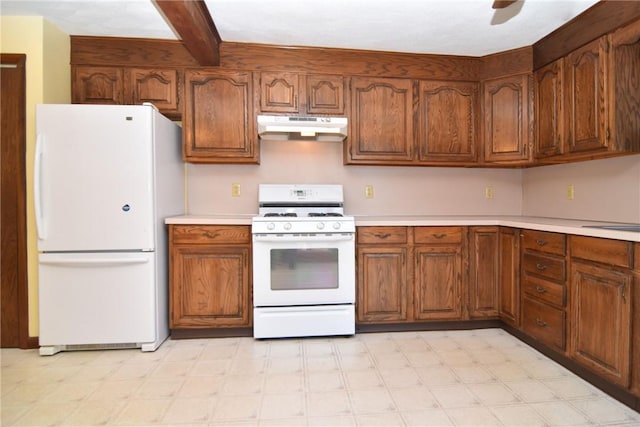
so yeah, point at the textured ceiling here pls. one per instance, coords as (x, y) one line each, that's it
(456, 27)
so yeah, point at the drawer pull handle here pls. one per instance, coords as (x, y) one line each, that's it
(383, 236)
(541, 267)
(540, 289)
(439, 236)
(624, 295)
(541, 322)
(541, 242)
(211, 235)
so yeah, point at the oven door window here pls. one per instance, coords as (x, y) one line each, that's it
(295, 269)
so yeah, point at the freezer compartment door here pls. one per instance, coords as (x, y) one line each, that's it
(97, 298)
(93, 178)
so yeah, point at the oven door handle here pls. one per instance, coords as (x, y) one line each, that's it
(333, 237)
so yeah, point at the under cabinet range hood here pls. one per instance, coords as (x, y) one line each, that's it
(302, 128)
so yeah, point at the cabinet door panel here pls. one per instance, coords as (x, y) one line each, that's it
(509, 270)
(219, 121)
(98, 85)
(382, 284)
(507, 122)
(438, 283)
(601, 309)
(210, 287)
(325, 94)
(484, 264)
(159, 87)
(279, 92)
(586, 97)
(549, 110)
(381, 121)
(448, 121)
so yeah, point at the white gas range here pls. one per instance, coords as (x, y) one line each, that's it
(303, 262)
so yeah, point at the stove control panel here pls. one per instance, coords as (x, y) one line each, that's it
(300, 225)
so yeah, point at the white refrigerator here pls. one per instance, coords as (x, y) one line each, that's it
(105, 177)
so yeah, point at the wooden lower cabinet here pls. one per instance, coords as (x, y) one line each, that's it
(392, 289)
(635, 324)
(484, 272)
(543, 287)
(210, 276)
(438, 283)
(601, 307)
(382, 289)
(383, 271)
(509, 275)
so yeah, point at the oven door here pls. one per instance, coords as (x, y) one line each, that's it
(312, 269)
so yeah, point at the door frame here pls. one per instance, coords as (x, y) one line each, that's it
(16, 102)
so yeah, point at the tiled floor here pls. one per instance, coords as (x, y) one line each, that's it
(482, 377)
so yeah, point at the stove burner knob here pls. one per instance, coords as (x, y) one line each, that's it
(320, 225)
(337, 225)
(287, 226)
(271, 226)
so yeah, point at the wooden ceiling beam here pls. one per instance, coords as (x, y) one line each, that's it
(192, 21)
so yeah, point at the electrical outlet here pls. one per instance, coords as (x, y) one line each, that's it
(570, 192)
(368, 191)
(235, 189)
(488, 192)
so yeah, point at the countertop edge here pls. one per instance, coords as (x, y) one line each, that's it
(557, 225)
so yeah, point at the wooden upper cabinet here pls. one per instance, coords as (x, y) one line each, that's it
(279, 92)
(97, 85)
(548, 107)
(325, 94)
(157, 86)
(300, 94)
(624, 93)
(219, 123)
(210, 276)
(586, 86)
(507, 121)
(131, 86)
(381, 121)
(448, 121)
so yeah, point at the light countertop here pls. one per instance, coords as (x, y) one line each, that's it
(558, 225)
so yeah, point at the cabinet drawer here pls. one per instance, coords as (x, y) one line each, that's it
(544, 241)
(211, 234)
(545, 291)
(607, 251)
(543, 322)
(545, 266)
(381, 235)
(437, 235)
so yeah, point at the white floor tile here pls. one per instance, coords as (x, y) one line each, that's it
(461, 378)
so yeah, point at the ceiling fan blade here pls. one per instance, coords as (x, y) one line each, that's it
(501, 4)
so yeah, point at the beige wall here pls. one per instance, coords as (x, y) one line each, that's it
(605, 190)
(397, 190)
(48, 81)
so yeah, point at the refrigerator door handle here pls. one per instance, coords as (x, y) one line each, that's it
(37, 167)
(96, 262)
